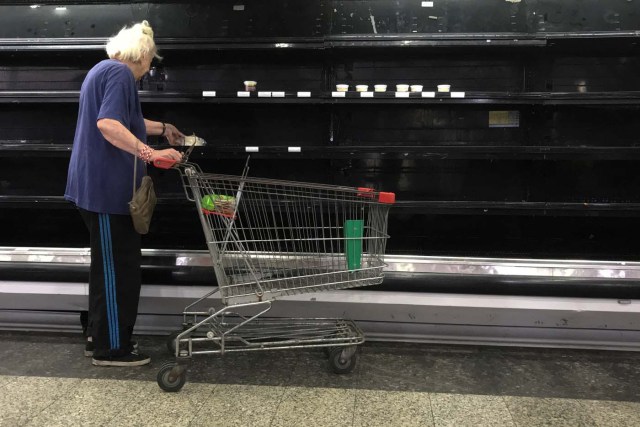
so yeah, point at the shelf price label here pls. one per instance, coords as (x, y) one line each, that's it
(304, 94)
(277, 94)
(428, 94)
(427, 4)
(264, 94)
(457, 94)
(366, 94)
(338, 94)
(402, 94)
(208, 93)
(243, 94)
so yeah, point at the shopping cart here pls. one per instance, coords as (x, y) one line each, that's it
(268, 239)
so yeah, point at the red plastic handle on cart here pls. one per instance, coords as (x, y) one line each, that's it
(164, 163)
(389, 198)
(369, 193)
(366, 192)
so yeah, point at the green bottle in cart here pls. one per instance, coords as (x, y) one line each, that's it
(353, 233)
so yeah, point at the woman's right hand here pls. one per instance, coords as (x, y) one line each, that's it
(168, 153)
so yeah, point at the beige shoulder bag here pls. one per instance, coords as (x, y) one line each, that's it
(143, 202)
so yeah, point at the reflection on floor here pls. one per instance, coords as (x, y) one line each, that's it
(46, 381)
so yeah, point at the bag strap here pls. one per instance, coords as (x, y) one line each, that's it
(135, 168)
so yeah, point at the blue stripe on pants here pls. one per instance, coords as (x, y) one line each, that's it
(109, 282)
(107, 278)
(114, 299)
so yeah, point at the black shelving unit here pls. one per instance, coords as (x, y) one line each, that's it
(544, 139)
(387, 97)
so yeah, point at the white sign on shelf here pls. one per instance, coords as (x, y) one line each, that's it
(251, 149)
(294, 149)
(402, 94)
(277, 94)
(208, 93)
(428, 94)
(457, 94)
(304, 94)
(427, 4)
(243, 94)
(366, 94)
(338, 94)
(264, 94)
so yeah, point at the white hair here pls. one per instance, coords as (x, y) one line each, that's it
(133, 43)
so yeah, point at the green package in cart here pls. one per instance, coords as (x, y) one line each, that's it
(353, 233)
(219, 203)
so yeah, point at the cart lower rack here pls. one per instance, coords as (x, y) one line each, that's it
(269, 239)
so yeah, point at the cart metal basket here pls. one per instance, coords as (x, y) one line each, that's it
(272, 238)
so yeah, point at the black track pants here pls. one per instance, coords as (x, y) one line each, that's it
(114, 283)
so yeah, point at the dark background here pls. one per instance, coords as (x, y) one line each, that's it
(561, 183)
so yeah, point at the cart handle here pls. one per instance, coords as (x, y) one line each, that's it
(383, 197)
(164, 163)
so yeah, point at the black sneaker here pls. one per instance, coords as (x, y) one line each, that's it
(88, 347)
(131, 359)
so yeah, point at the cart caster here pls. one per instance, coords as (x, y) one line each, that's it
(171, 339)
(342, 359)
(172, 376)
(171, 342)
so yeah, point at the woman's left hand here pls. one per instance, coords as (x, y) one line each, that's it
(173, 135)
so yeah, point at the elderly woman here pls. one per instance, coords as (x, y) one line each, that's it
(110, 136)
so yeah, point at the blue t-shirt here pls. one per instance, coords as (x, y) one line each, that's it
(100, 177)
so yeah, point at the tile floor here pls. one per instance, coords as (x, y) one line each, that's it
(46, 381)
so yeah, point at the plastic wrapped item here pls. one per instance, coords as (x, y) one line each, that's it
(193, 140)
(219, 204)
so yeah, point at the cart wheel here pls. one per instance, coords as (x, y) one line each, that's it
(171, 342)
(339, 364)
(171, 377)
